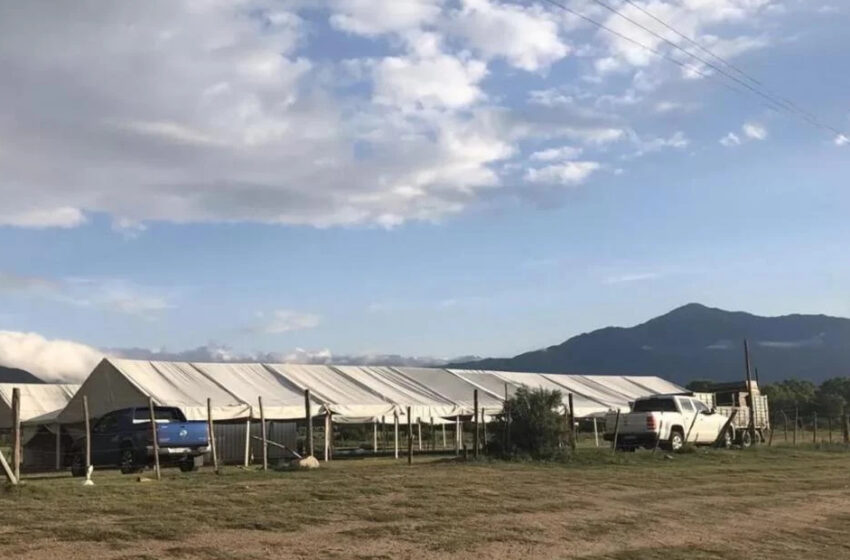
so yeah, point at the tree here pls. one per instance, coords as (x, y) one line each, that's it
(790, 394)
(537, 427)
(700, 385)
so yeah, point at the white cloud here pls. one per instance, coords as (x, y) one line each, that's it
(287, 320)
(441, 81)
(841, 140)
(51, 360)
(376, 17)
(645, 146)
(62, 217)
(527, 37)
(731, 140)
(561, 153)
(754, 131)
(632, 277)
(568, 174)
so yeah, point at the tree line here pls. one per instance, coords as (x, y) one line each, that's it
(827, 399)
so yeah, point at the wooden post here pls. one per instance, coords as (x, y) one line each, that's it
(814, 427)
(247, 458)
(616, 431)
(384, 432)
(658, 436)
(829, 427)
(88, 432)
(409, 437)
(785, 425)
(7, 470)
(264, 434)
(796, 423)
(375, 436)
(308, 417)
(845, 421)
(327, 436)
(475, 421)
(395, 419)
(433, 436)
(770, 439)
(58, 446)
(572, 420)
(595, 432)
(691, 427)
(419, 433)
(154, 439)
(211, 431)
(457, 435)
(721, 436)
(484, 430)
(16, 432)
(507, 412)
(752, 406)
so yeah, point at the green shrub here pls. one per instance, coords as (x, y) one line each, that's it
(536, 426)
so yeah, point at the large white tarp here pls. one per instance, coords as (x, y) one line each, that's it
(455, 389)
(115, 384)
(403, 392)
(249, 382)
(41, 403)
(348, 400)
(583, 405)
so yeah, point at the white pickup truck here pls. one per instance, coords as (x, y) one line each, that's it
(667, 421)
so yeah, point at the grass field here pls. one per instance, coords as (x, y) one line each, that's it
(780, 502)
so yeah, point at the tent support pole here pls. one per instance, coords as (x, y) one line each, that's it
(475, 416)
(88, 432)
(328, 428)
(264, 433)
(247, 461)
(484, 429)
(457, 435)
(211, 431)
(595, 432)
(375, 436)
(419, 433)
(58, 446)
(154, 439)
(409, 438)
(395, 420)
(16, 432)
(308, 418)
(443, 426)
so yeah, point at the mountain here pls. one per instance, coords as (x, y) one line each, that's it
(14, 375)
(698, 342)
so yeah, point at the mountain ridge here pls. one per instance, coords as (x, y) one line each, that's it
(696, 341)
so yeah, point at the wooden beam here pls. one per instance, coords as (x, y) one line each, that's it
(409, 438)
(721, 436)
(211, 432)
(395, 432)
(88, 431)
(616, 431)
(572, 420)
(16, 432)
(475, 423)
(7, 470)
(264, 433)
(154, 439)
(308, 418)
(752, 426)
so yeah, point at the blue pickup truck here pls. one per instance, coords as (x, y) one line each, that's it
(123, 438)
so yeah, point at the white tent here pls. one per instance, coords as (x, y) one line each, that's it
(403, 392)
(41, 403)
(248, 382)
(116, 384)
(454, 389)
(348, 400)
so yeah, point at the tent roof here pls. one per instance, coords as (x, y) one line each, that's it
(347, 399)
(40, 402)
(281, 399)
(454, 388)
(402, 391)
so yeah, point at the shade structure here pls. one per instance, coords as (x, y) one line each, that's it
(41, 403)
(403, 392)
(348, 400)
(583, 405)
(281, 399)
(487, 381)
(115, 384)
(455, 389)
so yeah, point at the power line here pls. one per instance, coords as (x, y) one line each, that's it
(772, 101)
(725, 62)
(656, 52)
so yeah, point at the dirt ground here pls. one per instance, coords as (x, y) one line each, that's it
(769, 503)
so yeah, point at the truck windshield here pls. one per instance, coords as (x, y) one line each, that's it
(655, 405)
(161, 414)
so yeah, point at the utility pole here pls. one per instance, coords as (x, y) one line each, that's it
(752, 406)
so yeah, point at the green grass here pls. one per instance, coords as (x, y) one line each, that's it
(596, 505)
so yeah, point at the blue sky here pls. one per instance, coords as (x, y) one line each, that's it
(428, 178)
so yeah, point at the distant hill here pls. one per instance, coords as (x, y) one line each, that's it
(695, 341)
(14, 375)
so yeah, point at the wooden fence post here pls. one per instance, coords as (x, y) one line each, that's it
(395, 420)
(88, 432)
(829, 427)
(58, 446)
(264, 434)
(433, 436)
(154, 440)
(483, 430)
(308, 418)
(419, 433)
(457, 435)
(7, 470)
(507, 412)
(384, 432)
(658, 436)
(814, 427)
(16, 432)
(595, 432)
(785, 425)
(475, 421)
(796, 423)
(572, 419)
(752, 420)
(327, 436)
(375, 436)
(845, 428)
(616, 431)
(409, 437)
(211, 430)
(443, 427)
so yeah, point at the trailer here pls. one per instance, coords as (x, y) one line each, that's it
(727, 397)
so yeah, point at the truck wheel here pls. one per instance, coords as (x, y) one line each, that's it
(129, 464)
(78, 465)
(745, 440)
(188, 465)
(677, 440)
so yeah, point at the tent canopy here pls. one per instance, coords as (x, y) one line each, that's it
(454, 388)
(41, 403)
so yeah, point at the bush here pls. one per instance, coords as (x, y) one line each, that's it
(537, 428)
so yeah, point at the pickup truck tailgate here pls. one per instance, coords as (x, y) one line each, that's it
(634, 422)
(182, 434)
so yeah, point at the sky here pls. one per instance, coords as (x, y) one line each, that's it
(342, 179)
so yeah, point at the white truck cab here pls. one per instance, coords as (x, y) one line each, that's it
(668, 421)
